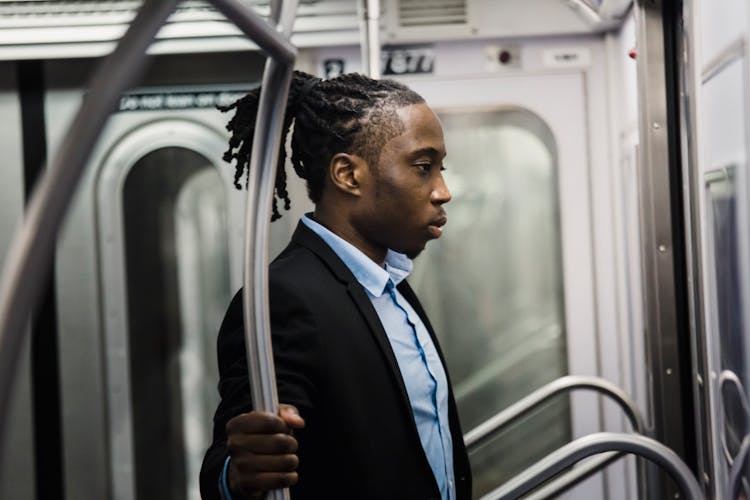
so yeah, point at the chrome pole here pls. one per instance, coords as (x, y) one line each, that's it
(265, 36)
(32, 249)
(261, 179)
(369, 11)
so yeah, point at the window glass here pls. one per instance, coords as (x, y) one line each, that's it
(175, 220)
(727, 315)
(493, 283)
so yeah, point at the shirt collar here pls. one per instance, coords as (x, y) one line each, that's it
(367, 272)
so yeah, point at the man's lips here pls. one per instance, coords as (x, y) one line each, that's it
(435, 227)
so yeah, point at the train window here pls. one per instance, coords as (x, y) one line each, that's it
(726, 312)
(177, 270)
(493, 282)
(722, 24)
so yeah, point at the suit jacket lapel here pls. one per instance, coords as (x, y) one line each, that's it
(305, 237)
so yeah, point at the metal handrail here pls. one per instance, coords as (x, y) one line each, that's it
(273, 39)
(483, 431)
(575, 476)
(269, 124)
(31, 252)
(735, 471)
(573, 452)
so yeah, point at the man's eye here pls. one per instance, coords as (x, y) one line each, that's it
(425, 167)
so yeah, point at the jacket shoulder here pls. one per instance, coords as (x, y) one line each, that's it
(299, 267)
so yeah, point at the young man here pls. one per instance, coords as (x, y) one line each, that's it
(368, 410)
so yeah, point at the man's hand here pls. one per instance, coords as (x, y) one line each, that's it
(263, 451)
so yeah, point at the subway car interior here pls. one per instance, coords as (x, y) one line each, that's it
(587, 293)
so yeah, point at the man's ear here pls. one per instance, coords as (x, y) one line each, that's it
(347, 172)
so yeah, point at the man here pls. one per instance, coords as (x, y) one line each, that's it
(369, 412)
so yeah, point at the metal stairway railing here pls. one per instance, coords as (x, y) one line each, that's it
(477, 436)
(30, 254)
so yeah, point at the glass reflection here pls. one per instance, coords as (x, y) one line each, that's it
(493, 283)
(727, 313)
(175, 220)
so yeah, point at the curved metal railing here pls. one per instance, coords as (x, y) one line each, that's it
(736, 462)
(568, 455)
(578, 474)
(31, 252)
(485, 430)
(736, 468)
(477, 436)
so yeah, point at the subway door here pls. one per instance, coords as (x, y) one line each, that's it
(510, 285)
(164, 247)
(147, 266)
(722, 75)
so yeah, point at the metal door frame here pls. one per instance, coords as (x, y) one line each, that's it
(113, 171)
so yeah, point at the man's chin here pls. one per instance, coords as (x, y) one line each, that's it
(413, 254)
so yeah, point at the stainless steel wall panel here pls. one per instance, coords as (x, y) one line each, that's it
(17, 478)
(78, 297)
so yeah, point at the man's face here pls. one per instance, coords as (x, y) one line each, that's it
(403, 196)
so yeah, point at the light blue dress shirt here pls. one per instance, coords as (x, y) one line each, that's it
(417, 357)
(421, 370)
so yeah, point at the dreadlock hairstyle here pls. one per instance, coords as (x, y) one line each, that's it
(350, 113)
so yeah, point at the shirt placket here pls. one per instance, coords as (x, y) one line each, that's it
(436, 391)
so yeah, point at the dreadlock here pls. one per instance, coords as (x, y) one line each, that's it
(350, 113)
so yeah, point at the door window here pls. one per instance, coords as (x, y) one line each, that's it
(493, 283)
(177, 271)
(727, 321)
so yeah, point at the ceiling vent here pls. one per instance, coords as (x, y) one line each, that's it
(417, 13)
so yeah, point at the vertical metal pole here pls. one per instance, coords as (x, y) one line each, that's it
(369, 11)
(261, 178)
(32, 250)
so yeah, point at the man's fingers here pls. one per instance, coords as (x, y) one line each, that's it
(263, 450)
(291, 416)
(257, 422)
(277, 444)
(255, 464)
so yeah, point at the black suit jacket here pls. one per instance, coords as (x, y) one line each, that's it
(335, 364)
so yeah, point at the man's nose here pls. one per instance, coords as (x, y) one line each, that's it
(440, 194)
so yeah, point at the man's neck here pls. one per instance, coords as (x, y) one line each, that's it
(344, 230)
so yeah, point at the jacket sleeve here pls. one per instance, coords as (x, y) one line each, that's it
(295, 347)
